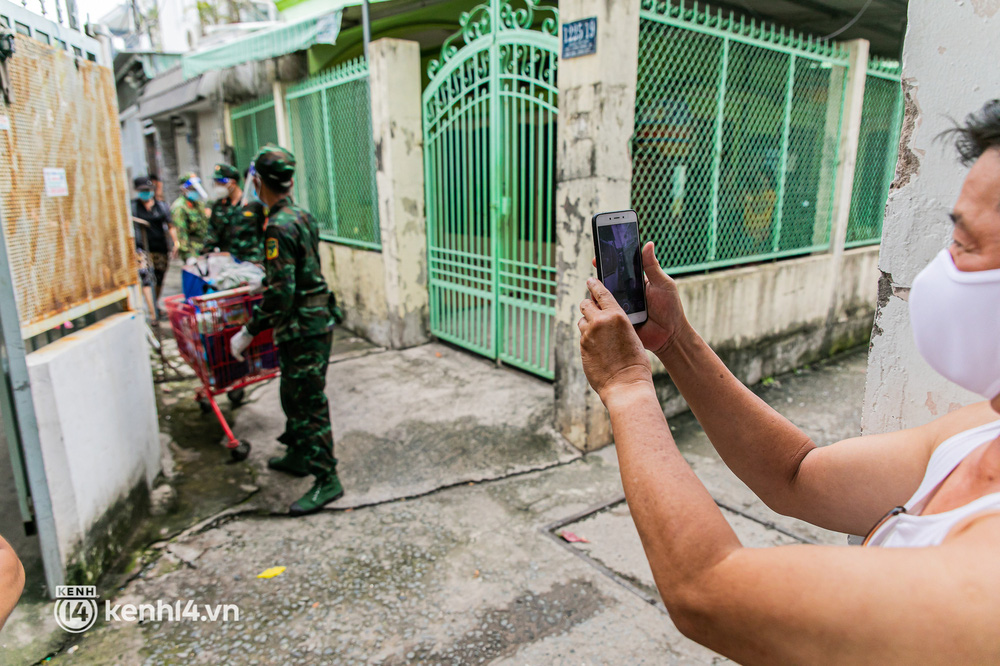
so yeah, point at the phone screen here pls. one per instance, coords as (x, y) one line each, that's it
(621, 264)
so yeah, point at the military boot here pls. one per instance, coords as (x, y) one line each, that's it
(289, 463)
(322, 493)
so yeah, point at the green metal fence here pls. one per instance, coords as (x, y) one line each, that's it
(329, 118)
(253, 124)
(736, 138)
(878, 149)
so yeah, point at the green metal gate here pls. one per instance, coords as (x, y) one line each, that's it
(489, 144)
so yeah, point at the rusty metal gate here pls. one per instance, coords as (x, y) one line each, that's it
(63, 190)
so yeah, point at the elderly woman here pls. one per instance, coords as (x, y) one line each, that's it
(926, 589)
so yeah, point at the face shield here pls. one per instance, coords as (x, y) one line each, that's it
(193, 184)
(250, 187)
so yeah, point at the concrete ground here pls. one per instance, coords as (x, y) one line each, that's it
(445, 548)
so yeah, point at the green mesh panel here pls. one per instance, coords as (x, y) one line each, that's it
(312, 178)
(243, 141)
(254, 124)
(878, 149)
(735, 146)
(329, 117)
(267, 128)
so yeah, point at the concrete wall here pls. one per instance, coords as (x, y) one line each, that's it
(357, 277)
(186, 144)
(133, 145)
(384, 294)
(96, 410)
(210, 144)
(770, 318)
(397, 129)
(594, 165)
(948, 72)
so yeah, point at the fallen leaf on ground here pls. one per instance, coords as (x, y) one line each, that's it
(476, 574)
(438, 354)
(271, 573)
(572, 538)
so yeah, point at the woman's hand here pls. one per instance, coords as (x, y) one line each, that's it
(663, 305)
(612, 352)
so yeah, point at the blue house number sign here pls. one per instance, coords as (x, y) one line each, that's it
(579, 38)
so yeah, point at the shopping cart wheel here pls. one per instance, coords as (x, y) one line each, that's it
(236, 397)
(240, 452)
(205, 405)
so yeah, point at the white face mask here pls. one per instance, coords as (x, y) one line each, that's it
(955, 316)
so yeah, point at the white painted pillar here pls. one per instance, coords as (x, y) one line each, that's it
(947, 74)
(822, 223)
(596, 121)
(847, 157)
(850, 134)
(280, 117)
(397, 130)
(227, 124)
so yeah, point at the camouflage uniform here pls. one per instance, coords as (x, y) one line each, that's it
(245, 233)
(235, 228)
(219, 219)
(296, 305)
(189, 218)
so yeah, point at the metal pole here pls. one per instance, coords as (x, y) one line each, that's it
(497, 185)
(720, 114)
(783, 172)
(27, 425)
(366, 26)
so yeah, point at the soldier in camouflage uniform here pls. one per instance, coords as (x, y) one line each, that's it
(225, 208)
(190, 231)
(297, 304)
(236, 229)
(247, 235)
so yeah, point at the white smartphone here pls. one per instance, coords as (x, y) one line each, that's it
(619, 261)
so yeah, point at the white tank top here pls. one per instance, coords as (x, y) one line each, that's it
(911, 530)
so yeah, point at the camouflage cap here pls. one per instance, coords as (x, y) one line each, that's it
(226, 171)
(182, 181)
(275, 166)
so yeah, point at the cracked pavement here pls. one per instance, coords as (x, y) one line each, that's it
(443, 549)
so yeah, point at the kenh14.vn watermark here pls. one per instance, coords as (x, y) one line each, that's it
(77, 610)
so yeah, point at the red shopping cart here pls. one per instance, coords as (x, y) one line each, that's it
(203, 327)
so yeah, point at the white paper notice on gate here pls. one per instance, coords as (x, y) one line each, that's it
(55, 182)
(5, 123)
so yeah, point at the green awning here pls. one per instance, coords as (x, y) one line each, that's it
(266, 44)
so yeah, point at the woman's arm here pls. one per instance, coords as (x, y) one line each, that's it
(790, 604)
(844, 487)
